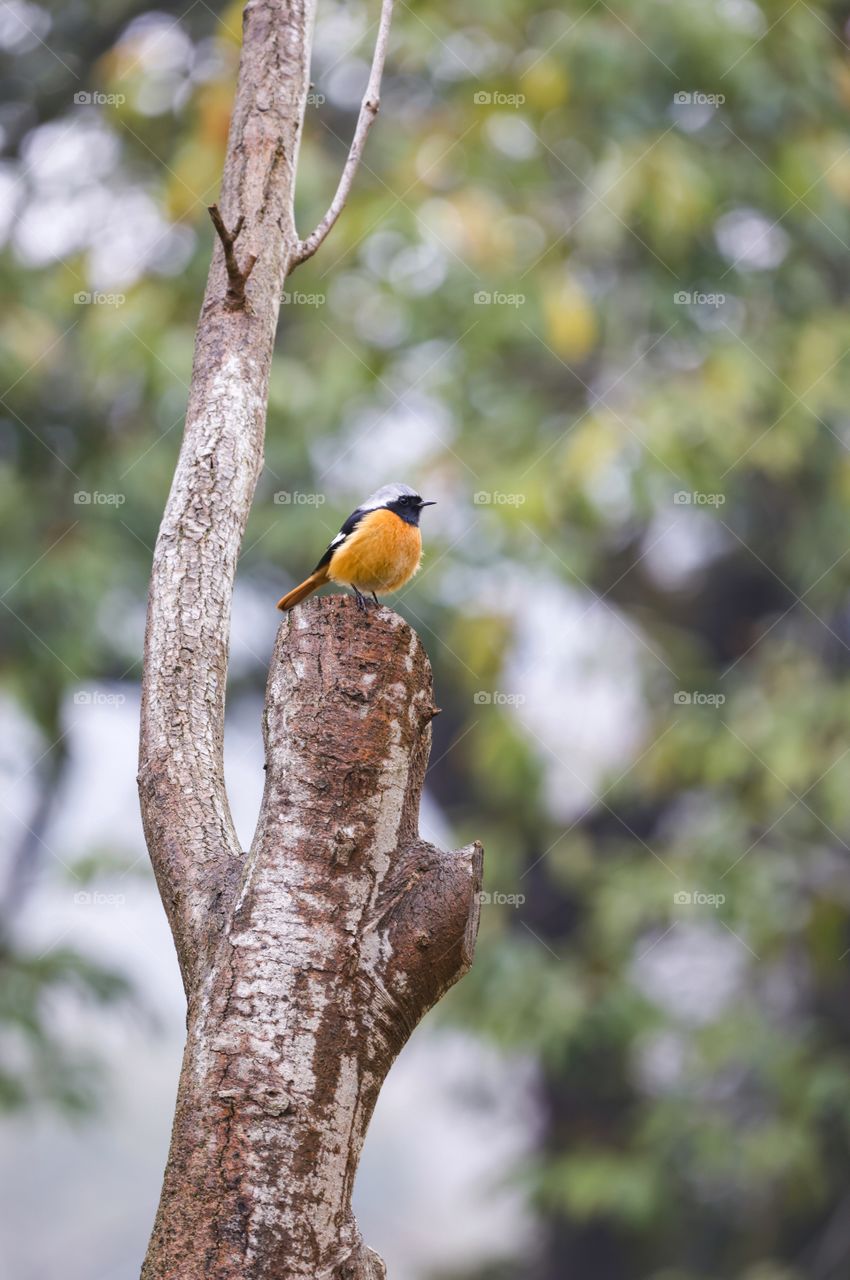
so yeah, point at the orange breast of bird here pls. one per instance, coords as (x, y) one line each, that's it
(381, 554)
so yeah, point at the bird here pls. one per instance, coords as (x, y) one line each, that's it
(378, 548)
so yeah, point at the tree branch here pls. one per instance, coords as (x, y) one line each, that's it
(186, 815)
(369, 108)
(237, 276)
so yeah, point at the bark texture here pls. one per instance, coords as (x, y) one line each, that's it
(186, 815)
(344, 929)
(308, 961)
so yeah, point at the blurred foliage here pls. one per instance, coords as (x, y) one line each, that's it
(590, 292)
(40, 1059)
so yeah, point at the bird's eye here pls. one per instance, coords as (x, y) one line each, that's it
(403, 501)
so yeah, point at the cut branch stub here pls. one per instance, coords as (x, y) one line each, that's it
(237, 276)
(346, 928)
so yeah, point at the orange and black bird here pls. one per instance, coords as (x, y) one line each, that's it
(377, 549)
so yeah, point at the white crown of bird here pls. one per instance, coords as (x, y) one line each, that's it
(386, 494)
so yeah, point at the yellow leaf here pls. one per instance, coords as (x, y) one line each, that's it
(545, 84)
(571, 325)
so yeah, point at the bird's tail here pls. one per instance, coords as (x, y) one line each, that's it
(306, 588)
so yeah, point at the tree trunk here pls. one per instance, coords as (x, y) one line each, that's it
(345, 929)
(308, 961)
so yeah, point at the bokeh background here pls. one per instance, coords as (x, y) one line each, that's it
(590, 293)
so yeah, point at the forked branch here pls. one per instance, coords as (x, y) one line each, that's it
(369, 109)
(237, 276)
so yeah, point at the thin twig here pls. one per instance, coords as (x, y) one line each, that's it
(369, 108)
(236, 275)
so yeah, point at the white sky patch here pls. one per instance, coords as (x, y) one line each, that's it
(136, 237)
(157, 43)
(679, 543)
(418, 270)
(346, 82)
(750, 240)
(659, 1060)
(693, 972)
(576, 674)
(511, 134)
(70, 152)
(468, 53)
(22, 26)
(10, 193)
(379, 442)
(338, 29)
(453, 1116)
(21, 746)
(75, 201)
(743, 14)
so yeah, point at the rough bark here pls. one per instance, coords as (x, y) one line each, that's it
(187, 820)
(308, 961)
(345, 929)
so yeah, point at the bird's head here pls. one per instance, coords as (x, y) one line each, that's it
(400, 498)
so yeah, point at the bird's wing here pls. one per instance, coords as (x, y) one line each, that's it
(347, 529)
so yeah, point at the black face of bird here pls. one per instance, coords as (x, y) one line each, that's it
(409, 507)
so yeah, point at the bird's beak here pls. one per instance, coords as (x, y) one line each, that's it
(428, 504)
